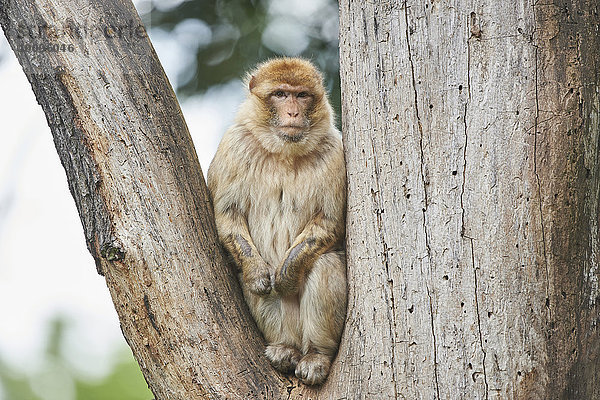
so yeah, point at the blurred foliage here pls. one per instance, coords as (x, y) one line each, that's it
(57, 379)
(245, 32)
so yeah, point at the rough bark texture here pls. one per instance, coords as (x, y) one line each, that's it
(471, 134)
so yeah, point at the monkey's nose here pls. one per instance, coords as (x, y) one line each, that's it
(293, 115)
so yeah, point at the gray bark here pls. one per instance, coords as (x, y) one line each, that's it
(471, 137)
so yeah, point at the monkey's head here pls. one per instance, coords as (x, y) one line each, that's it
(287, 106)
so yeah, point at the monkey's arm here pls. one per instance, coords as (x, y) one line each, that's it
(228, 197)
(234, 234)
(319, 235)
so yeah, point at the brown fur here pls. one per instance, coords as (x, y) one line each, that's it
(279, 195)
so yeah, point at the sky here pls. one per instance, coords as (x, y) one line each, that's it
(45, 268)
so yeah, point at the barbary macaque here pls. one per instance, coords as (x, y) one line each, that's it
(278, 185)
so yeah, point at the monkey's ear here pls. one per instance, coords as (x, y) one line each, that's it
(252, 83)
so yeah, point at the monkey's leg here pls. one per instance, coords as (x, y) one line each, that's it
(322, 311)
(284, 342)
(278, 319)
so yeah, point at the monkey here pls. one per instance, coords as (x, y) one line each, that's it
(278, 187)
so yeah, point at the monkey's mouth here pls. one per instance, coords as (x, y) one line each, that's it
(291, 133)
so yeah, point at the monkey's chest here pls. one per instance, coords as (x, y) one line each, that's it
(277, 215)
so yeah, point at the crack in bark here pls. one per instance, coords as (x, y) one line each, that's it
(464, 172)
(535, 170)
(435, 370)
(390, 281)
(420, 127)
(462, 190)
(463, 212)
(479, 319)
(150, 314)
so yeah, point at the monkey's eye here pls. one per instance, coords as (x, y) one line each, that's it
(279, 93)
(302, 94)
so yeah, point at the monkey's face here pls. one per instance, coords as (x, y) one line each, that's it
(290, 109)
(287, 108)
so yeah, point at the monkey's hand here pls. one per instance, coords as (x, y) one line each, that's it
(320, 234)
(257, 277)
(255, 271)
(297, 260)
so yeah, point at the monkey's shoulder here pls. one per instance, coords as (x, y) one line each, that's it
(229, 160)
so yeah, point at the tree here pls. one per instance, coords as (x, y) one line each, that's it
(471, 137)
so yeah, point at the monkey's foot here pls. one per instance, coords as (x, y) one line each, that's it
(283, 357)
(313, 368)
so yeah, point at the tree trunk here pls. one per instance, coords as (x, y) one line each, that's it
(471, 138)
(471, 135)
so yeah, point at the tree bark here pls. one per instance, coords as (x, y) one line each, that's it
(471, 135)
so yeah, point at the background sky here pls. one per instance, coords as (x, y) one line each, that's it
(46, 271)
